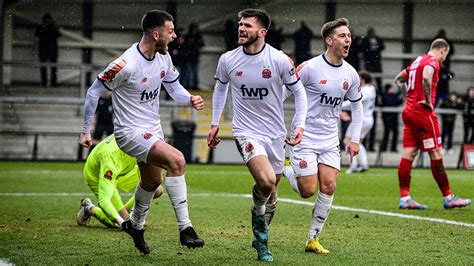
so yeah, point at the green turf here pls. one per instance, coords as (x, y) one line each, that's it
(40, 228)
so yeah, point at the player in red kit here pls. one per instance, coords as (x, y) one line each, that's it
(421, 131)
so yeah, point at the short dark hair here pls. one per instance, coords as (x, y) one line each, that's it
(329, 27)
(439, 44)
(365, 75)
(262, 17)
(155, 18)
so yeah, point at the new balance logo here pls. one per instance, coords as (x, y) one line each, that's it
(330, 101)
(323, 82)
(239, 73)
(253, 93)
(148, 96)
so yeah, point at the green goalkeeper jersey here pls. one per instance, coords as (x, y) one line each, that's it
(108, 167)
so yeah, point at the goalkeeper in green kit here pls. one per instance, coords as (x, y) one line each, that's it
(108, 168)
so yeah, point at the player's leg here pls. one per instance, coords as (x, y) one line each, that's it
(439, 174)
(129, 204)
(270, 206)
(363, 162)
(410, 149)
(276, 156)
(302, 173)
(85, 213)
(327, 186)
(265, 180)
(150, 180)
(167, 157)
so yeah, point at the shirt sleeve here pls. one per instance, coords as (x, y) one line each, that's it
(115, 74)
(95, 91)
(219, 98)
(289, 73)
(172, 73)
(354, 93)
(221, 72)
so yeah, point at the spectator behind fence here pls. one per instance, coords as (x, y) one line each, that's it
(177, 52)
(302, 38)
(372, 47)
(275, 36)
(230, 35)
(353, 58)
(454, 102)
(392, 97)
(48, 34)
(445, 74)
(468, 117)
(193, 42)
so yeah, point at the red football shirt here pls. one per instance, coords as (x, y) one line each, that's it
(415, 79)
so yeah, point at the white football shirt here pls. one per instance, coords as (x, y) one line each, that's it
(326, 87)
(135, 82)
(368, 100)
(256, 82)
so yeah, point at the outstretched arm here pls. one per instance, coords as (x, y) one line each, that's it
(219, 98)
(96, 90)
(301, 109)
(181, 95)
(357, 116)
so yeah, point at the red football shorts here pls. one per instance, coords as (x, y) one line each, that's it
(421, 129)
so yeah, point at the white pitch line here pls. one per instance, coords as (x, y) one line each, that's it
(299, 202)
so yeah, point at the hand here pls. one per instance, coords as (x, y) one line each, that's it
(345, 116)
(212, 141)
(197, 102)
(352, 149)
(428, 105)
(85, 140)
(296, 137)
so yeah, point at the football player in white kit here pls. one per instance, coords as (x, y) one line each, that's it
(328, 79)
(135, 79)
(256, 73)
(360, 162)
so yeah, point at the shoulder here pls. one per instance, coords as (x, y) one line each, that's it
(350, 70)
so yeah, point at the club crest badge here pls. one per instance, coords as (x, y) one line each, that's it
(303, 164)
(345, 85)
(266, 73)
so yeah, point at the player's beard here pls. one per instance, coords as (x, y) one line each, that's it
(250, 40)
(161, 47)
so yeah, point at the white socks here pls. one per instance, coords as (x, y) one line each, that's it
(140, 209)
(259, 201)
(177, 192)
(321, 210)
(291, 177)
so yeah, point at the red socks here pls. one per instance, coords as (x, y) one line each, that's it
(404, 177)
(439, 174)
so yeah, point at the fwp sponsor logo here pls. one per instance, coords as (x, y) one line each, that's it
(253, 93)
(329, 101)
(149, 95)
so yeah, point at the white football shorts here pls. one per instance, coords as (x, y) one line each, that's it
(137, 143)
(313, 150)
(274, 149)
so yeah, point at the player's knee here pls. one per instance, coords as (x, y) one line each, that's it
(328, 189)
(306, 193)
(266, 186)
(158, 192)
(177, 164)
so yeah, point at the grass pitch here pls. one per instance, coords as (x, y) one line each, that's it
(39, 202)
